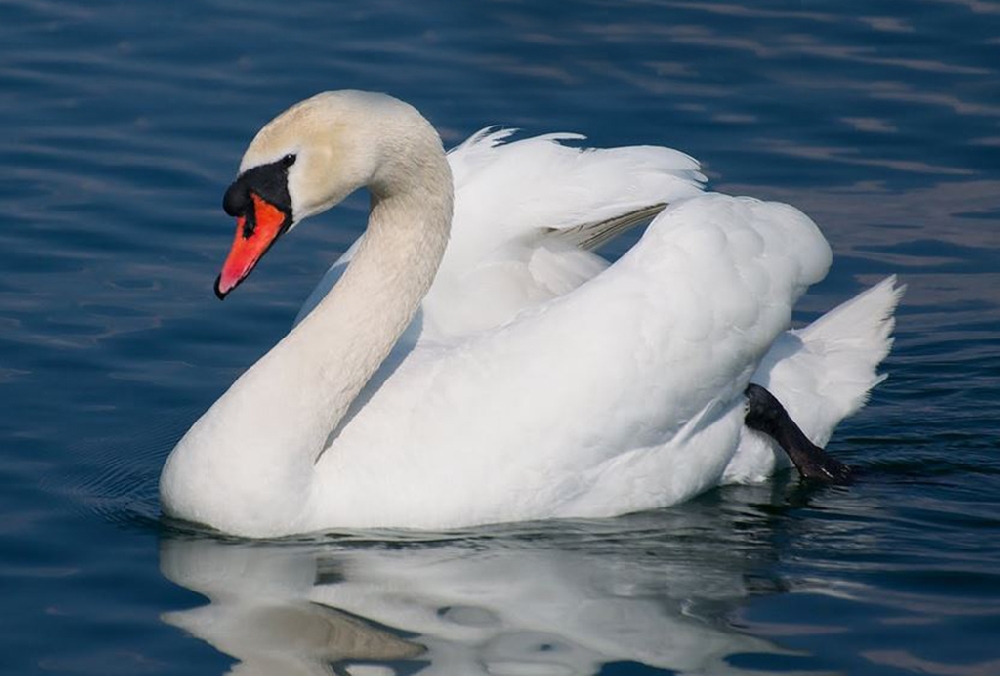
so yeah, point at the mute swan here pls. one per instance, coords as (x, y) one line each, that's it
(534, 381)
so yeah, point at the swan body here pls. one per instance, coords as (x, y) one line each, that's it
(510, 374)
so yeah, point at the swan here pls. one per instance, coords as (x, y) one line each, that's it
(510, 375)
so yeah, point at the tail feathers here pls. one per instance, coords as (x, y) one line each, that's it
(821, 374)
(854, 338)
(824, 372)
(863, 323)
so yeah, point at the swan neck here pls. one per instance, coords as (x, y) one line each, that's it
(351, 332)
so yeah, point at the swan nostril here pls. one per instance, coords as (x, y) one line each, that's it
(247, 223)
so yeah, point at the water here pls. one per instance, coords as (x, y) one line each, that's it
(123, 123)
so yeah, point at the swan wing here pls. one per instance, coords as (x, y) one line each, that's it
(527, 215)
(538, 187)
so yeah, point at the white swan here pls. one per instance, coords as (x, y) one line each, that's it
(534, 383)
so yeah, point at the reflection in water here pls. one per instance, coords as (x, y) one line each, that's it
(262, 609)
(553, 598)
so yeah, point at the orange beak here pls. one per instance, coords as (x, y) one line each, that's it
(256, 231)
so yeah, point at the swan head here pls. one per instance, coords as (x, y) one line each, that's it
(308, 159)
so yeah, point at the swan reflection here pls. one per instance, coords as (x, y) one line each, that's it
(554, 598)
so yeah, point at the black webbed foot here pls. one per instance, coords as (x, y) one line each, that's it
(766, 414)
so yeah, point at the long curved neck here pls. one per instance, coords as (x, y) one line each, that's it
(322, 365)
(349, 334)
(255, 448)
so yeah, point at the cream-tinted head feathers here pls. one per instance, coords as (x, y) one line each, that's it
(342, 141)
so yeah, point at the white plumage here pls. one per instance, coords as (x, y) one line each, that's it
(535, 380)
(523, 211)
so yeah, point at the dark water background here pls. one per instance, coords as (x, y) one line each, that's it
(121, 123)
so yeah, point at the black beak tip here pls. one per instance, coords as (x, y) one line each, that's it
(218, 292)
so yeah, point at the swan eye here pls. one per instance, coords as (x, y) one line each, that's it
(288, 160)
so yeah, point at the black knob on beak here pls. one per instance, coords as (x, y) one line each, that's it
(236, 201)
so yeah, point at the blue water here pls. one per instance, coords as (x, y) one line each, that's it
(123, 122)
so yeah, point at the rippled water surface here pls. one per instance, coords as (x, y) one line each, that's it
(123, 122)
